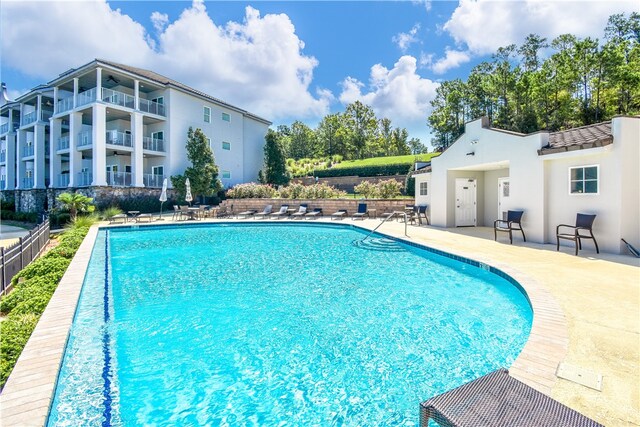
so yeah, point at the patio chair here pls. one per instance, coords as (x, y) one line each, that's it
(176, 213)
(267, 211)
(282, 212)
(184, 213)
(499, 400)
(248, 213)
(224, 212)
(145, 216)
(339, 215)
(362, 211)
(513, 222)
(584, 223)
(202, 212)
(302, 211)
(122, 218)
(317, 212)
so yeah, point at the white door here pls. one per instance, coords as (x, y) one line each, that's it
(503, 197)
(465, 202)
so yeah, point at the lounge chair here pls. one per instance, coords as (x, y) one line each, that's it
(145, 216)
(314, 214)
(248, 213)
(339, 215)
(302, 211)
(513, 222)
(584, 222)
(176, 213)
(284, 210)
(499, 400)
(122, 218)
(267, 211)
(362, 211)
(224, 212)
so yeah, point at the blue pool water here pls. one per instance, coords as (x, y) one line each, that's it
(247, 324)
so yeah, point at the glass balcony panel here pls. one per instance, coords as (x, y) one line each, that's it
(152, 144)
(63, 142)
(4, 128)
(84, 179)
(152, 107)
(115, 137)
(27, 182)
(3, 157)
(63, 180)
(84, 138)
(86, 97)
(27, 150)
(65, 104)
(119, 179)
(152, 180)
(118, 98)
(29, 118)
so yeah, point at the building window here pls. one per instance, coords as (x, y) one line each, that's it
(226, 117)
(226, 145)
(157, 170)
(159, 100)
(584, 180)
(209, 142)
(207, 114)
(423, 189)
(226, 174)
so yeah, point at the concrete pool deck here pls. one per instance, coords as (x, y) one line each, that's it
(589, 307)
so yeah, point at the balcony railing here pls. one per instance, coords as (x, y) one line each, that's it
(63, 180)
(27, 182)
(84, 179)
(115, 137)
(33, 116)
(3, 157)
(84, 139)
(152, 107)
(3, 184)
(119, 179)
(63, 142)
(4, 128)
(153, 144)
(27, 150)
(152, 180)
(118, 98)
(86, 97)
(65, 104)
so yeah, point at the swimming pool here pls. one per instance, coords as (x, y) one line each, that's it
(266, 324)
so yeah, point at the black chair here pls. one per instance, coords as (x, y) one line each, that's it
(584, 222)
(418, 213)
(513, 222)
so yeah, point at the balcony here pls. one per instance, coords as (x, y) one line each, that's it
(32, 117)
(119, 179)
(28, 150)
(84, 139)
(3, 184)
(152, 107)
(3, 156)
(86, 97)
(118, 98)
(27, 182)
(153, 144)
(63, 142)
(4, 128)
(65, 104)
(151, 180)
(115, 137)
(84, 179)
(63, 180)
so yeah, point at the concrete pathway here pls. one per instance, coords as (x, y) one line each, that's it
(10, 234)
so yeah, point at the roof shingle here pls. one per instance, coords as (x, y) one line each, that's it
(590, 136)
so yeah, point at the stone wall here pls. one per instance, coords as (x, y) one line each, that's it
(346, 183)
(328, 206)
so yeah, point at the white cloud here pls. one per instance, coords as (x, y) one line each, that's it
(404, 40)
(485, 25)
(425, 3)
(257, 64)
(452, 59)
(399, 94)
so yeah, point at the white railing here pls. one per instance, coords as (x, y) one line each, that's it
(27, 150)
(65, 104)
(29, 118)
(63, 142)
(119, 179)
(152, 107)
(152, 180)
(3, 157)
(115, 137)
(118, 98)
(84, 179)
(153, 144)
(86, 97)
(63, 180)
(84, 138)
(27, 182)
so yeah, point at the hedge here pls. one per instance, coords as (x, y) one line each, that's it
(19, 216)
(378, 170)
(33, 288)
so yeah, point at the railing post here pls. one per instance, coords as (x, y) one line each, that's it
(2, 275)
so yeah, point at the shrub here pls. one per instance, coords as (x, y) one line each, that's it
(29, 289)
(389, 189)
(292, 191)
(41, 267)
(84, 221)
(251, 191)
(19, 216)
(367, 190)
(110, 212)
(410, 183)
(370, 170)
(58, 220)
(15, 332)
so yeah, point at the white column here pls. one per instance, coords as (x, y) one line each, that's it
(39, 156)
(55, 160)
(136, 94)
(75, 156)
(137, 158)
(76, 84)
(39, 108)
(55, 100)
(21, 167)
(99, 144)
(11, 157)
(99, 85)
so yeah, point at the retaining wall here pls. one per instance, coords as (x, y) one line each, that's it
(328, 206)
(347, 183)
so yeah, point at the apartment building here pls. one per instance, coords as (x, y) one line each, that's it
(108, 124)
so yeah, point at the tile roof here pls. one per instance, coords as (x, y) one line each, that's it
(590, 136)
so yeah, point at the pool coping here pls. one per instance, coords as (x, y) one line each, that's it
(29, 391)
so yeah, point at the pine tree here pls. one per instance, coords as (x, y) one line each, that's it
(203, 174)
(275, 170)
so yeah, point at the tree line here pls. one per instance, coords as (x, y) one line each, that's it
(581, 81)
(353, 134)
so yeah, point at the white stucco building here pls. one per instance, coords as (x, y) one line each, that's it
(592, 169)
(108, 124)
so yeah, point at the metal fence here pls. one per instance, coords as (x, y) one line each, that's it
(17, 256)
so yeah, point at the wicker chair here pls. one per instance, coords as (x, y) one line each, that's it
(513, 222)
(584, 222)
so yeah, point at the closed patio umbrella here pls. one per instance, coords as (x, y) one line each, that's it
(188, 197)
(163, 196)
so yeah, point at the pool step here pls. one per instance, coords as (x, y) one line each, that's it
(378, 244)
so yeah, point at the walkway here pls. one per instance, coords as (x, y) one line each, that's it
(10, 234)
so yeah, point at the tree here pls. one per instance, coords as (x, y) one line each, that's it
(275, 169)
(417, 147)
(361, 125)
(74, 203)
(303, 141)
(329, 136)
(203, 172)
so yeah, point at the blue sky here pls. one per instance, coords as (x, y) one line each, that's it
(288, 60)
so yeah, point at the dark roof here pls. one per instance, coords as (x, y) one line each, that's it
(589, 136)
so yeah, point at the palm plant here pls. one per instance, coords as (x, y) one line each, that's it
(74, 203)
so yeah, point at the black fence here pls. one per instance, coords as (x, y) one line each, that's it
(17, 256)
